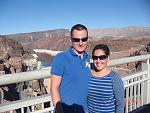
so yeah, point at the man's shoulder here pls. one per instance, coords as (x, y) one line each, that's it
(61, 56)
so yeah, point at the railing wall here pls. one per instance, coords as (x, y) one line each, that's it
(137, 87)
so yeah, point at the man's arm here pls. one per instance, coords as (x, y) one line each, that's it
(55, 84)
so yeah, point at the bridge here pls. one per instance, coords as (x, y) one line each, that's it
(50, 52)
(136, 86)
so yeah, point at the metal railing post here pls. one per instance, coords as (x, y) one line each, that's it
(148, 82)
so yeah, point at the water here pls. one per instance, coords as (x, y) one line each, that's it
(45, 64)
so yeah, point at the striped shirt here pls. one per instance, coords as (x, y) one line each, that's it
(100, 95)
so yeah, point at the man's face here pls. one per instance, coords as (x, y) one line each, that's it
(79, 40)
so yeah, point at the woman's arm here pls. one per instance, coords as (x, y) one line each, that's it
(118, 88)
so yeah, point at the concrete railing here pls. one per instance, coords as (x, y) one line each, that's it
(52, 53)
(137, 87)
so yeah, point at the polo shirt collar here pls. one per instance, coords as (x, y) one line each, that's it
(70, 50)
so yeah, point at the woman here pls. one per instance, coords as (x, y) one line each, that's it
(106, 89)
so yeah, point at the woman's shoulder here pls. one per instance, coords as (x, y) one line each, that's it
(112, 72)
(115, 75)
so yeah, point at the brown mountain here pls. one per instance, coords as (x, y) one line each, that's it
(57, 40)
(126, 39)
(10, 46)
(29, 38)
(131, 31)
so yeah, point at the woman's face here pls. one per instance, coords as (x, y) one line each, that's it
(100, 59)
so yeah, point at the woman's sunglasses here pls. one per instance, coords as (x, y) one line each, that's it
(78, 40)
(101, 57)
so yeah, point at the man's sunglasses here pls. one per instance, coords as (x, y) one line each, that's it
(102, 57)
(78, 40)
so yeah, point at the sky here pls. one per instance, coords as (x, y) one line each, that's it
(24, 16)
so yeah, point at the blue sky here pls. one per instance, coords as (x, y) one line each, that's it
(21, 16)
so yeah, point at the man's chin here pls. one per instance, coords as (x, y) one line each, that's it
(81, 50)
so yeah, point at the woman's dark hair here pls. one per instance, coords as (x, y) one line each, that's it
(78, 27)
(103, 47)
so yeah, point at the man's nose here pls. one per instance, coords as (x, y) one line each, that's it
(80, 42)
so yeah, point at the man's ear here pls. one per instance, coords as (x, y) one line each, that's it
(70, 41)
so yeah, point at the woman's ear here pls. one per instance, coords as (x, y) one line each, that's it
(110, 53)
(108, 58)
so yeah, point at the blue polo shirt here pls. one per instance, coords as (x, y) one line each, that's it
(75, 73)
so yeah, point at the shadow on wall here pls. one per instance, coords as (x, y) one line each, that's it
(69, 108)
(142, 109)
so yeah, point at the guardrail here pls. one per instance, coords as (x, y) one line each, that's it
(137, 87)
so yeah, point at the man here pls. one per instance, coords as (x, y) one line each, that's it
(70, 74)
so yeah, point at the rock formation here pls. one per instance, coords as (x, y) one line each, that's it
(13, 56)
(13, 59)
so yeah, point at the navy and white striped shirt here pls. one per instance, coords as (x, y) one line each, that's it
(100, 95)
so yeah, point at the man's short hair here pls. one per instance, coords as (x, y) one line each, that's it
(78, 27)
